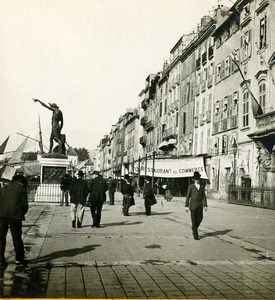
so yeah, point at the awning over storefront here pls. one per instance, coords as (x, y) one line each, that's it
(175, 168)
(166, 145)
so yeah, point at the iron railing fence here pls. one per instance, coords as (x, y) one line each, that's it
(44, 193)
(258, 197)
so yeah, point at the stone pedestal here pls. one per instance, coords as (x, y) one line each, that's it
(53, 168)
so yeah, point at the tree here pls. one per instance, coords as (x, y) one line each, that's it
(82, 153)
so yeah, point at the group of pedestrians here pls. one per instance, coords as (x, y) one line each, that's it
(82, 193)
(14, 204)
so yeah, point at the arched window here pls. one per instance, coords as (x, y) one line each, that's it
(245, 108)
(262, 94)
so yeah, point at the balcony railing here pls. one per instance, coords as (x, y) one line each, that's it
(170, 133)
(143, 140)
(143, 120)
(266, 121)
(149, 125)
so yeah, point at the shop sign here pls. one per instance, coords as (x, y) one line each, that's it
(174, 168)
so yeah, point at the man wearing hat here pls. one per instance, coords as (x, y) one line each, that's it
(195, 201)
(148, 194)
(57, 124)
(112, 189)
(14, 206)
(127, 191)
(78, 194)
(97, 197)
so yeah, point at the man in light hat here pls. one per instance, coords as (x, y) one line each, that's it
(195, 201)
(57, 125)
(78, 194)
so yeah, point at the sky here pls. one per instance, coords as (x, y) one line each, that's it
(91, 57)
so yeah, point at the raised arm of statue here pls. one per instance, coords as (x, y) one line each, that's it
(43, 104)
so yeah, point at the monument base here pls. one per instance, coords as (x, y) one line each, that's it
(53, 168)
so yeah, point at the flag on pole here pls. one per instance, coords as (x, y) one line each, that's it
(9, 169)
(3, 146)
(256, 107)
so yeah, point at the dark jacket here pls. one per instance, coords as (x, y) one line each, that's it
(98, 188)
(127, 188)
(13, 201)
(112, 185)
(78, 191)
(65, 182)
(195, 198)
(148, 190)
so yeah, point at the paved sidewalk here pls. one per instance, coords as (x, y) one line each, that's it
(145, 257)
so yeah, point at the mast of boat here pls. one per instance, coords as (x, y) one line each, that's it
(40, 137)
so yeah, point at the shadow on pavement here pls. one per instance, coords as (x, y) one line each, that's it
(121, 223)
(215, 233)
(64, 253)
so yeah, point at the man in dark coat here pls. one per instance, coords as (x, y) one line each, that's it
(195, 201)
(128, 194)
(65, 187)
(112, 189)
(148, 194)
(98, 188)
(78, 193)
(13, 208)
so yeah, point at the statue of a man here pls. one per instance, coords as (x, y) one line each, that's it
(57, 124)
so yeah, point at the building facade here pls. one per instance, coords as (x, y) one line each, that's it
(213, 101)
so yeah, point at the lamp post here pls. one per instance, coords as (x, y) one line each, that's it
(153, 170)
(235, 149)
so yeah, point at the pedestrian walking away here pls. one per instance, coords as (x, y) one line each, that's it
(168, 193)
(65, 187)
(78, 195)
(97, 197)
(127, 191)
(195, 202)
(149, 197)
(14, 206)
(112, 189)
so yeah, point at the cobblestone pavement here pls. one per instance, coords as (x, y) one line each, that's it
(145, 257)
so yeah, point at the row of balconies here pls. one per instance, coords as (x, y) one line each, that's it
(201, 87)
(225, 124)
(203, 59)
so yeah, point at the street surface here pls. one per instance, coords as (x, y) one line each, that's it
(143, 256)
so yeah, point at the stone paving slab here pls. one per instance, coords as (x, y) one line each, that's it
(140, 257)
(228, 281)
